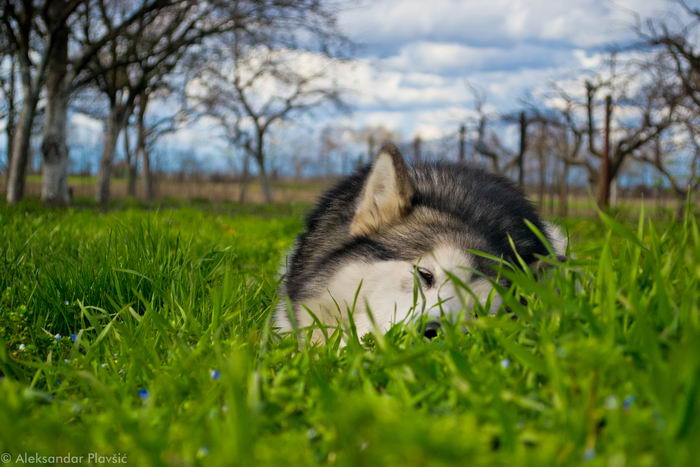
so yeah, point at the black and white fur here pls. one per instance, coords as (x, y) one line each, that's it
(384, 229)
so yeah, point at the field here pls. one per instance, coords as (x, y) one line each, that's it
(143, 335)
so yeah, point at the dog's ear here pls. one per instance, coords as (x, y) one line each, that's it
(386, 195)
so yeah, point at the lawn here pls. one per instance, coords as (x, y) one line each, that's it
(143, 336)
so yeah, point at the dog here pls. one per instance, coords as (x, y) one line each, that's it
(392, 242)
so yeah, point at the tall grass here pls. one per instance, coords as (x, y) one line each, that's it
(146, 334)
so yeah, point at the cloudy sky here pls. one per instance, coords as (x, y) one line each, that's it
(415, 56)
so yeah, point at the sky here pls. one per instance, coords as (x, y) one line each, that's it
(415, 61)
(416, 57)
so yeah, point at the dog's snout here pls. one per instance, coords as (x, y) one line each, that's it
(431, 329)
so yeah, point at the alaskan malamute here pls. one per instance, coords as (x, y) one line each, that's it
(392, 241)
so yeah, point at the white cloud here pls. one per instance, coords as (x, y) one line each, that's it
(417, 57)
(579, 23)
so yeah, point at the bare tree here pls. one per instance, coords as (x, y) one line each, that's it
(677, 39)
(655, 113)
(131, 65)
(666, 156)
(568, 144)
(635, 111)
(488, 143)
(52, 57)
(40, 33)
(262, 86)
(676, 62)
(150, 129)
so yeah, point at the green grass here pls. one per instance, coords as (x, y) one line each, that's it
(174, 362)
(72, 179)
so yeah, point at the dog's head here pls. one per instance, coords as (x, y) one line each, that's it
(408, 256)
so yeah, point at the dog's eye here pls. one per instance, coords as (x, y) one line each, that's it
(426, 276)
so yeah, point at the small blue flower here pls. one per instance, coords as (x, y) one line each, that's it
(203, 451)
(628, 401)
(21, 347)
(74, 337)
(66, 302)
(57, 336)
(143, 394)
(505, 363)
(589, 454)
(214, 374)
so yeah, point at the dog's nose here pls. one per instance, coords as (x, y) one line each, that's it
(431, 329)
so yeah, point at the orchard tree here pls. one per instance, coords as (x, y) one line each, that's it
(249, 87)
(51, 59)
(133, 64)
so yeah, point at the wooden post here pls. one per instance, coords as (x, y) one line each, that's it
(416, 149)
(462, 142)
(523, 148)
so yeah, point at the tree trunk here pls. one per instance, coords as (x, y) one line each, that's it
(606, 176)
(564, 191)
(131, 163)
(54, 182)
(244, 177)
(131, 191)
(115, 123)
(262, 173)
(543, 181)
(11, 112)
(19, 157)
(264, 180)
(462, 142)
(149, 191)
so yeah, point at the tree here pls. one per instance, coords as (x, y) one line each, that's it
(676, 62)
(488, 144)
(635, 111)
(677, 40)
(136, 61)
(260, 87)
(568, 140)
(52, 57)
(19, 22)
(666, 156)
(41, 33)
(655, 113)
